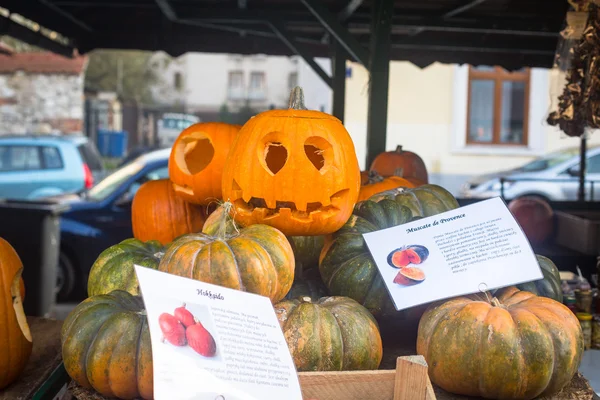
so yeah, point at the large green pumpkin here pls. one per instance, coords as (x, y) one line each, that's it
(306, 251)
(346, 265)
(549, 286)
(330, 334)
(106, 346)
(113, 269)
(308, 283)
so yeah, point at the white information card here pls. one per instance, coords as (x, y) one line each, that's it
(214, 343)
(470, 249)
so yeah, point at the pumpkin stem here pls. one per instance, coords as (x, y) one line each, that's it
(225, 225)
(297, 99)
(495, 302)
(374, 177)
(399, 148)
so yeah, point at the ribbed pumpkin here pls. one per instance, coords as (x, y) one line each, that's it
(377, 184)
(346, 265)
(306, 250)
(513, 346)
(549, 286)
(113, 269)
(157, 213)
(294, 169)
(258, 259)
(15, 336)
(106, 346)
(197, 159)
(412, 166)
(331, 334)
(307, 283)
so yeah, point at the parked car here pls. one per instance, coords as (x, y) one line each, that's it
(553, 177)
(36, 166)
(99, 218)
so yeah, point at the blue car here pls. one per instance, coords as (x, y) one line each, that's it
(99, 218)
(33, 167)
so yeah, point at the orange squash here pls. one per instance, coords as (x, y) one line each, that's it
(377, 184)
(157, 213)
(257, 259)
(197, 159)
(15, 336)
(515, 345)
(295, 170)
(412, 166)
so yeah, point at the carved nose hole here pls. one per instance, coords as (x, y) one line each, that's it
(275, 156)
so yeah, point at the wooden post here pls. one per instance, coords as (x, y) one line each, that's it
(338, 67)
(379, 76)
(412, 381)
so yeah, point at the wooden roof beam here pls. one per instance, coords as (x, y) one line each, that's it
(23, 33)
(341, 34)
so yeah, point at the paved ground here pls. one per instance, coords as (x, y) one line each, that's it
(61, 311)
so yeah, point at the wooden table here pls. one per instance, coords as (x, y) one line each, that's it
(44, 376)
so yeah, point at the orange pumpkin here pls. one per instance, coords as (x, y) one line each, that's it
(197, 159)
(412, 166)
(377, 184)
(364, 177)
(295, 170)
(15, 336)
(515, 345)
(157, 213)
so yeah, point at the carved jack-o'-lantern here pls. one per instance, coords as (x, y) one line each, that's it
(293, 169)
(197, 158)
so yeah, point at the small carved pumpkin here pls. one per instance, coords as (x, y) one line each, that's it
(294, 169)
(15, 336)
(410, 163)
(197, 158)
(157, 213)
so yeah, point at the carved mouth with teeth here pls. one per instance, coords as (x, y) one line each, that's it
(297, 210)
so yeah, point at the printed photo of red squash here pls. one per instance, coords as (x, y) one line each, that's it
(406, 255)
(201, 340)
(184, 316)
(409, 276)
(173, 331)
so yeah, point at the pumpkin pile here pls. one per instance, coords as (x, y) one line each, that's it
(293, 205)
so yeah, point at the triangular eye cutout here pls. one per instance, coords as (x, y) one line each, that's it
(318, 150)
(275, 157)
(194, 153)
(315, 155)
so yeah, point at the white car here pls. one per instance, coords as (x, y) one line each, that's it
(554, 177)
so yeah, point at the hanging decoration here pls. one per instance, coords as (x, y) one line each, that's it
(579, 54)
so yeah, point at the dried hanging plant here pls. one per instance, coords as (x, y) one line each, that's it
(579, 104)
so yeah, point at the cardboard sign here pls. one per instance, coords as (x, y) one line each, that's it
(231, 349)
(467, 250)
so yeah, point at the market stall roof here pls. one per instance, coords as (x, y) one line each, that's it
(510, 33)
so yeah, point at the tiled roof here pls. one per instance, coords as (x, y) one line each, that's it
(5, 49)
(42, 63)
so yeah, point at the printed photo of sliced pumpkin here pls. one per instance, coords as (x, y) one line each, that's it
(411, 254)
(409, 276)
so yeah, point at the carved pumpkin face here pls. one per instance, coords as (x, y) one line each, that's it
(197, 159)
(294, 169)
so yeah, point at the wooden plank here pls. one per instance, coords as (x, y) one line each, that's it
(46, 359)
(411, 379)
(348, 385)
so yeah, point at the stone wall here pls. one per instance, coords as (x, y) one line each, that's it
(41, 103)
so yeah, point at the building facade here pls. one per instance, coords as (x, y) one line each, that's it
(41, 92)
